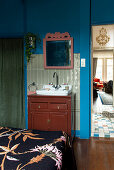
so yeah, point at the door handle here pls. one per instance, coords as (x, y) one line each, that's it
(58, 107)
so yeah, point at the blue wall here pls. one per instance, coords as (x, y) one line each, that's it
(11, 18)
(85, 71)
(54, 16)
(102, 12)
(92, 12)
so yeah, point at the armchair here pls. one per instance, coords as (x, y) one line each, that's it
(98, 83)
(108, 87)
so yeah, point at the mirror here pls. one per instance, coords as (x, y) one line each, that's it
(58, 51)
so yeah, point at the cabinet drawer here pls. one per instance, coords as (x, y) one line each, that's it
(39, 106)
(58, 106)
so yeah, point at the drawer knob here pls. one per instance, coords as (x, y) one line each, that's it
(58, 107)
(39, 106)
(48, 120)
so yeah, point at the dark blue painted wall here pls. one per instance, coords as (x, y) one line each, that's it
(85, 71)
(92, 12)
(54, 16)
(20, 16)
(11, 18)
(102, 12)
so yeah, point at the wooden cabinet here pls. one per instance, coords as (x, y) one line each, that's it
(52, 113)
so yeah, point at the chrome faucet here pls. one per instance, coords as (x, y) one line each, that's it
(56, 85)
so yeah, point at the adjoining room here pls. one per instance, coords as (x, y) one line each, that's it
(103, 100)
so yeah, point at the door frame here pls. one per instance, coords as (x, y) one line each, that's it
(92, 68)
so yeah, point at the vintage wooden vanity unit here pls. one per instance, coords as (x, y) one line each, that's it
(50, 113)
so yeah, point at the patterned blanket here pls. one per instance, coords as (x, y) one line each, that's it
(30, 149)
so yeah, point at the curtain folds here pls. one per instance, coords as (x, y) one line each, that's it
(12, 98)
(94, 66)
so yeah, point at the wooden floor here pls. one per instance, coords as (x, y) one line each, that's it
(94, 153)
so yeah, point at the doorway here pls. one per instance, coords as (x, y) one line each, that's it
(102, 98)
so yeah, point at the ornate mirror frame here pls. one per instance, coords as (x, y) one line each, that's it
(57, 37)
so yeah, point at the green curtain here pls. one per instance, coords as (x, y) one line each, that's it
(12, 98)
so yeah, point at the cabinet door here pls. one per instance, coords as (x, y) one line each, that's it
(58, 121)
(40, 120)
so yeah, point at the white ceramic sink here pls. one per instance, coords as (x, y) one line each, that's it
(49, 90)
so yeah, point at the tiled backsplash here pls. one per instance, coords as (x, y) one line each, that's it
(36, 73)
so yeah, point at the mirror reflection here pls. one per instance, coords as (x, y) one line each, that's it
(58, 53)
(58, 50)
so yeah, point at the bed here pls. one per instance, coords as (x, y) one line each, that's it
(22, 149)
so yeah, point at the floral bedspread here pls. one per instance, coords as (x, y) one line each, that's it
(22, 149)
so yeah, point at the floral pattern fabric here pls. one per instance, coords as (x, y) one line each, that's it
(22, 149)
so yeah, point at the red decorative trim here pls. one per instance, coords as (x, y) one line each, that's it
(57, 36)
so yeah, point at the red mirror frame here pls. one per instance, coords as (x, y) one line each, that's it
(57, 37)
